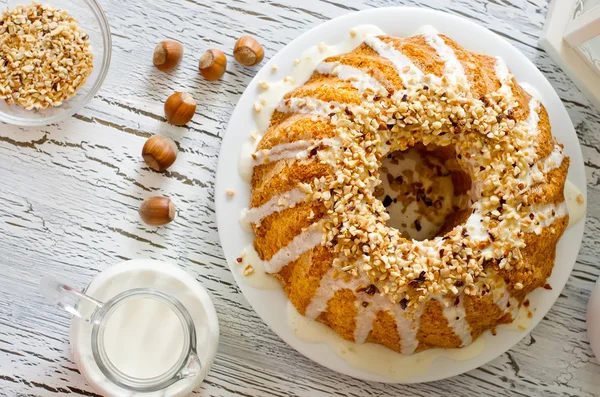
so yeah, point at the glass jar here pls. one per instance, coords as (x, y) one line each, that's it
(149, 329)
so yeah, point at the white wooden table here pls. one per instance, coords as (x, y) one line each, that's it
(69, 195)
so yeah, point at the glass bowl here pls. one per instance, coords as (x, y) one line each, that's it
(92, 20)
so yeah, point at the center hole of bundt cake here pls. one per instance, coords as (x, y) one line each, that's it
(424, 191)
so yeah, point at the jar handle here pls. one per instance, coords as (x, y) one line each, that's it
(192, 367)
(68, 298)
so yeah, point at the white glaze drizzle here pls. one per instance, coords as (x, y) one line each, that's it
(307, 105)
(502, 298)
(532, 121)
(475, 227)
(328, 286)
(303, 242)
(407, 329)
(576, 203)
(358, 78)
(407, 71)
(536, 174)
(297, 150)
(505, 77)
(457, 320)
(452, 66)
(545, 215)
(277, 203)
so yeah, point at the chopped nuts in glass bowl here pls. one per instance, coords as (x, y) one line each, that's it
(51, 62)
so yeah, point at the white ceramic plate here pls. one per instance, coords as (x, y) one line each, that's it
(271, 304)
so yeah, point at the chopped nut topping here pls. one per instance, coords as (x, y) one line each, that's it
(44, 56)
(496, 148)
(230, 192)
(248, 270)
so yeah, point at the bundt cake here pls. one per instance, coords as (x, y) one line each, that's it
(323, 233)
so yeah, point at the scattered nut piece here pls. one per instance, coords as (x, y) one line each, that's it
(322, 46)
(580, 199)
(297, 61)
(263, 84)
(254, 135)
(248, 51)
(157, 211)
(180, 108)
(248, 270)
(518, 286)
(159, 152)
(257, 107)
(274, 67)
(167, 55)
(230, 192)
(289, 79)
(352, 32)
(212, 64)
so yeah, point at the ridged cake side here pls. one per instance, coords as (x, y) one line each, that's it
(440, 305)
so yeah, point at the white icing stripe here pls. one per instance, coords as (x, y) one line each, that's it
(457, 320)
(366, 315)
(544, 216)
(505, 302)
(307, 105)
(328, 286)
(452, 65)
(505, 77)
(554, 159)
(407, 329)
(359, 79)
(277, 203)
(534, 118)
(502, 298)
(285, 149)
(537, 173)
(302, 243)
(475, 227)
(407, 71)
(298, 150)
(513, 308)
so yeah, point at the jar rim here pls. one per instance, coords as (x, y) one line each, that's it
(112, 372)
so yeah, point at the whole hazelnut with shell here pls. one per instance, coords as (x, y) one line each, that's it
(248, 51)
(212, 64)
(159, 152)
(167, 55)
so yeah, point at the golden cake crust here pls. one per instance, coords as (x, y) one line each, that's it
(489, 286)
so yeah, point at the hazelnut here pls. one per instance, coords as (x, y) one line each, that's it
(180, 108)
(157, 211)
(212, 64)
(248, 51)
(167, 55)
(159, 152)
